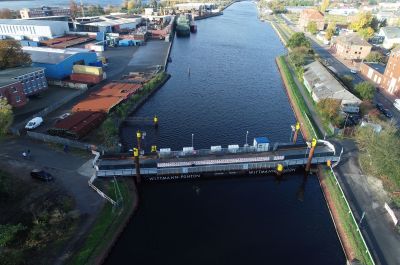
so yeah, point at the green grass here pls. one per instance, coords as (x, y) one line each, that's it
(108, 221)
(299, 100)
(337, 19)
(346, 219)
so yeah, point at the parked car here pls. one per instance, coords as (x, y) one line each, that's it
(379, 106)
(63, 116)
(41, 175)
(34, 123)
(353, 71)
(387, 113)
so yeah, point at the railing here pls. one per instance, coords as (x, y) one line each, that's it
(214, 168)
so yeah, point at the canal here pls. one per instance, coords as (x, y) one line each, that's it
(233, 87)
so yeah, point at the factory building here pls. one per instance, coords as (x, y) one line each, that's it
(36, 30)
(107, 24)
(44, 11)
(58, 63)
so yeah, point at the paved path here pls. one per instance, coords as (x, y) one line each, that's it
(365, 195)
(71, 172)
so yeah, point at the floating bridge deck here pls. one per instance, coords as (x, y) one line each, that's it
(191, 163)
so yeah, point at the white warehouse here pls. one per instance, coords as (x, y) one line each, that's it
(32, 29)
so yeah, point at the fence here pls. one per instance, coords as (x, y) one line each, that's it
(352, 217)
(58, 140)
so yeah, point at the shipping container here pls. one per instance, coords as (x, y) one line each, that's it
(85, 69)
(97, 64)
(86, 78)
(78, 124)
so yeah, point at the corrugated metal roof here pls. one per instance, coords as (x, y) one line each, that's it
(50, 55)
(324, 85)
(7, 76)
(24, 22)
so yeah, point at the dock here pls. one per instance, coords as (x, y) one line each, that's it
(259, 159)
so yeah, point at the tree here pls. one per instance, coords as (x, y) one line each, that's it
(74, 8)
(375, 57)
(8, 233)
(365, 90)
(153, 3)
(130, 5)
(11, 55)
(5, 13)
(312, 27)
(366, 33)
(298, 39)
(330, 110)
(298, 55)
(277, 6)
(365, 24)
(324, 5)
(6, 116)
(330, 31)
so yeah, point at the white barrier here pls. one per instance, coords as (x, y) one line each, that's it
(391, 213)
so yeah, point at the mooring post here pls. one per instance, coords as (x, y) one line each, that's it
(311, 154)
(279, 170)
(155, 121)
(138, 138)
(296, 132)
(137, 164)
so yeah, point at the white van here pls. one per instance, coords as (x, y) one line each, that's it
(396, 104)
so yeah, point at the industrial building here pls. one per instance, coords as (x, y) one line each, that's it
(36, 30)
(322, 85)
(59, 62)
(32, 79)
(44, 11)
(107, 23)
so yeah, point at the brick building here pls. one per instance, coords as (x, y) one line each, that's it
(385, 78)
(351, 47)
(311, 15)
(12, 90)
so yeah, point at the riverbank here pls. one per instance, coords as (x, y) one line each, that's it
(109, 225)
(346, 227)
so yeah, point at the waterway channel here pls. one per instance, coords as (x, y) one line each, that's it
(233, 87)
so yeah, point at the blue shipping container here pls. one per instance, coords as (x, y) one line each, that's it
(97, 64)
(100, 36)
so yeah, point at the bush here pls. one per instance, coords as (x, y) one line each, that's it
(312, 27)
(375, 56)
(347, 80)
(365, 90)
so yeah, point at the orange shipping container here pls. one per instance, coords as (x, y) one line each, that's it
(86, 78)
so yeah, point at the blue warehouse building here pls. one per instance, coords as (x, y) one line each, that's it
(58, 63)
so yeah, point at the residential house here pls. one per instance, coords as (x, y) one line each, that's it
(392, 18)
(321, 84)
(385, 78)
(351, 47)
(391, 36)
(311, 15)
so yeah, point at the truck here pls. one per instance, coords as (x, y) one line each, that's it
(396, 104)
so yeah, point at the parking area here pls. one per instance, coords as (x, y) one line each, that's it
(121, 61)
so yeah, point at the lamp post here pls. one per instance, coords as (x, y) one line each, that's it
(192, 139)
(247, 134)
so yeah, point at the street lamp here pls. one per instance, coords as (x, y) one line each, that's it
(247, 134)
(192, 139)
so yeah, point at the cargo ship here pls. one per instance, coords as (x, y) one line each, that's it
(182, 26)
(260, 159)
